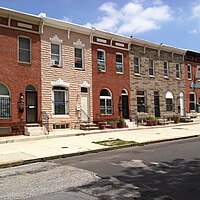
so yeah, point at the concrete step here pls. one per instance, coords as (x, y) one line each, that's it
(89, 126)
(35, 131)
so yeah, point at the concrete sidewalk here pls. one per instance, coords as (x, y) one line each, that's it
(24, 149)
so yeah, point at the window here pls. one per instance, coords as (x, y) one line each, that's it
(4, 102)
(178, 71)
(189, 69)
(166, 69)
(79, 58)
(105, 102)
(141, 101)
(24, 49)
(169, 101)
(136, 65)
(55, 54)
(60, 102)
(119, 63)
(192, 102)
(151, 68)
(101, 61)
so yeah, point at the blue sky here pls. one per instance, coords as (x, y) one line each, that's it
(172, 22)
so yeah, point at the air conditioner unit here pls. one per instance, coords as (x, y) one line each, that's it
(55, 63)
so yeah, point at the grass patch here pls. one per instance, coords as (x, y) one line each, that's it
(116, 142)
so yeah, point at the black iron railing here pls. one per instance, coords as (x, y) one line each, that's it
(5, 107)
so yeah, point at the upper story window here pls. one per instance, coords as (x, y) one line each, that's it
(189, 69)
(178, 71)
(79, 54)
(119, 63)
(55, 50)
(24, 49)
(166, 69)
(101, 60)
(78, 58)
(55, 54)
(5, 105)
(151, 68)
(136, 65)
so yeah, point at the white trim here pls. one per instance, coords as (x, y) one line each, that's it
(85, 84)
(120, 63)
(179, 70)
(169, 95)
(61, 83)
(78, 44)
(82, 58)
(139, 67)
(104, 53)
(152, 75)
(166, 76)
(56, 40)
(189, 65)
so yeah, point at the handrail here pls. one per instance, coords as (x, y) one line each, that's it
(86, 115)
(45, 120)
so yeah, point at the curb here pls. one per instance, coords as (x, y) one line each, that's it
(18, 163)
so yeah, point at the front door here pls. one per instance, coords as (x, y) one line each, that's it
(31, 106)
(125, 107)
(156, 104)
(84, 104)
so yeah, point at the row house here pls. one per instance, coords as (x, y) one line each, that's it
(110, 76)
(192, 82)
(157, 79)
(20, 71)
(66, 69)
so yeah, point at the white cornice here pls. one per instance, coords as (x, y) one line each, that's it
(60, 83)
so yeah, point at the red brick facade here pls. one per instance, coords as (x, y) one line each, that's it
(110, 80)
(192, 84)
(17, 76)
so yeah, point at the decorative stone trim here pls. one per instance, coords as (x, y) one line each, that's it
(79, 44)
(60, 82)
(85, 84)
(56, 40)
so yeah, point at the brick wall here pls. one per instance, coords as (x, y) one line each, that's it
(16, 76)
(159, 83)
(109, 80)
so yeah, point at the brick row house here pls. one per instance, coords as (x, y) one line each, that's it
(192, 82)
(110, 76)
(20, 71)
(157, 80)
(59, 75)
(66, 74)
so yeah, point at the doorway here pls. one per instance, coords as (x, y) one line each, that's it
(156, 104)
(125, 104)
(84, 104)
(31, 104)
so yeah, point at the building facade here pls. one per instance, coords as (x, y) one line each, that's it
(157, 80)
(110, 76)
(20, 71)
(192, 81)
(66, 74)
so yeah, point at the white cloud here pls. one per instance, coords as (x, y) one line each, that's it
(67, 19)
(196, 10)
(133, 17)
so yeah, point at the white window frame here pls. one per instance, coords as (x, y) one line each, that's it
(105, 98)
(189, 72)
(82, 58)
(101, 62)
(30, 51)
(120, 64)
(59, 45)
(57, 41)
(195, 101)
(167, 69)
(152, 67)
(178, 71)
(66, 91)
(138, 66)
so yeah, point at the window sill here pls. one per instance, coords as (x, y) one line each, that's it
(151, 76)
(103, 71)
(178, 79)
(56, 66)
(166, 77)
(138, 75)
(119, 72)
(80, 69)
(24, 63)
(61, 116)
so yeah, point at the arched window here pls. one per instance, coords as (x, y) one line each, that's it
(4, 102)
(169, 101)
(105, 102)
